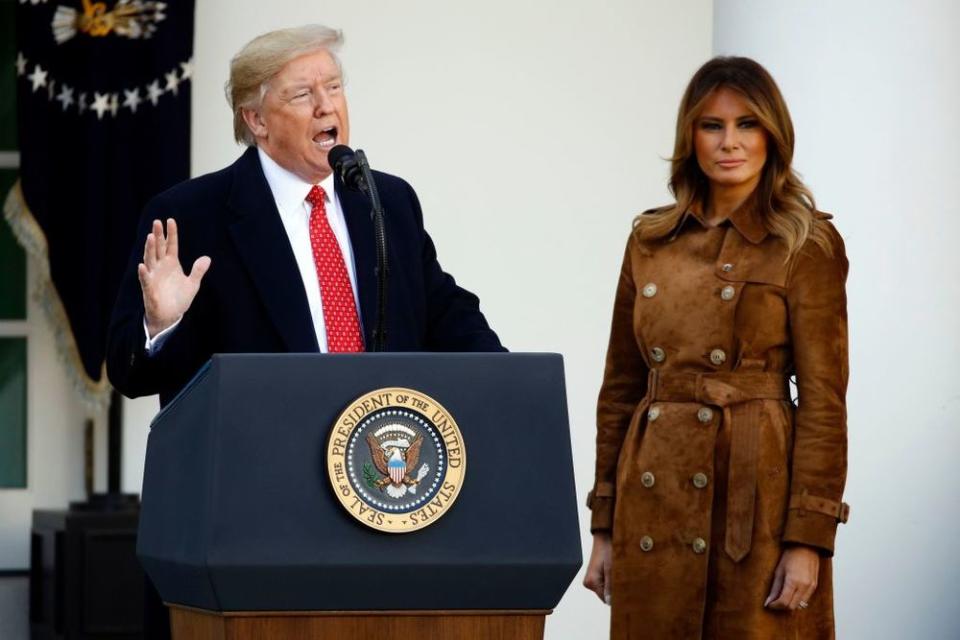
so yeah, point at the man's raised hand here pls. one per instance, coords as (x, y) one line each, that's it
(167, 290)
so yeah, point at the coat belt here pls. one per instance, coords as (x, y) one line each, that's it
(731, 391)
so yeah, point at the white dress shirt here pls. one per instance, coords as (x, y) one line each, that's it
(290, 193)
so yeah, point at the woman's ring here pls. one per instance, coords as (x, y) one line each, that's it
(803, 604)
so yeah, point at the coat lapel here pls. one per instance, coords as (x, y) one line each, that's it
(264, 247)
(356, 211)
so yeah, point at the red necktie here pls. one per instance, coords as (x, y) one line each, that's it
(339, 308)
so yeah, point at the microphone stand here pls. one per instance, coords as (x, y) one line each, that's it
(380, 236)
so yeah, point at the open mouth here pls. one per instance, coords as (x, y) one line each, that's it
(326, 138)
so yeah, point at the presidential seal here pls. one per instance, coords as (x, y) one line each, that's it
(396, 460)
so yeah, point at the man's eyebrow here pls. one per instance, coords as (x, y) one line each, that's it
(305, 81)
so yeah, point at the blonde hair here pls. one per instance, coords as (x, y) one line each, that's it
(786, 205)
(262, 58)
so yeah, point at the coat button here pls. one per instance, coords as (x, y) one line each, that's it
(718, 356)
(727, 267)
(647, 479)
(649, 290)
(699, 480)
(705, 414)
(727, 293)
(658, 354)
(646, 543)
(133, 358)
(699, 545)
(653, 414)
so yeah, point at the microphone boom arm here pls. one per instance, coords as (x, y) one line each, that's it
(380, 236)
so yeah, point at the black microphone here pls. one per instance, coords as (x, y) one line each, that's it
(344, 162)
(355, 173)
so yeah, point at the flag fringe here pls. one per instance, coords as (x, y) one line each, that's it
(95, 395)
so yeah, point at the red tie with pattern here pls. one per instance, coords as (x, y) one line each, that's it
(339, 308)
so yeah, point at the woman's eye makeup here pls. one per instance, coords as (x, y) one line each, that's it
(716, 125)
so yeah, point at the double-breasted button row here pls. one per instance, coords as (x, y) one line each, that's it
(699, 545)
(717, 356)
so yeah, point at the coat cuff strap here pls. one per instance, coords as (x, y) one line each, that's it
(838, 510)
(600, 490)
(600, 501)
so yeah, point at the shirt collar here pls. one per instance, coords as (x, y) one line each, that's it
(746, 219)
(288, 189)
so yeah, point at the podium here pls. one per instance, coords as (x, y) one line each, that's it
(244, 536)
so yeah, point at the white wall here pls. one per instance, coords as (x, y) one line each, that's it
(532, 131)
(874, 89)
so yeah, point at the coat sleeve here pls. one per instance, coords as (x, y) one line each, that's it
(817, 305)
(131, 371)
(624, 385)
(454, 321)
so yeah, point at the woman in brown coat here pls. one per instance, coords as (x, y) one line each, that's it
(717, 499)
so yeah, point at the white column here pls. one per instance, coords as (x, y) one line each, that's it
(874, 89)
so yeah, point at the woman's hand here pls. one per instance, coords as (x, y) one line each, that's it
(795, 579)
(597, 577)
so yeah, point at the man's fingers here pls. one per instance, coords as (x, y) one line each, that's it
(150, 252)
(173, 239)
(199, 268)
(142, 275)
(161, 239)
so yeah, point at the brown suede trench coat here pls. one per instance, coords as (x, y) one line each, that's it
(705, 469)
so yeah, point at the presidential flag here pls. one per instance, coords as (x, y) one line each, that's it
(103, 103)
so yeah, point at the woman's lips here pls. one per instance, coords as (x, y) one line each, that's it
(730, 164)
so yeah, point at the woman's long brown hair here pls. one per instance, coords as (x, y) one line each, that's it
(786, 204)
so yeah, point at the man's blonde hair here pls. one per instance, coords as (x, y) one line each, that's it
(262, 58)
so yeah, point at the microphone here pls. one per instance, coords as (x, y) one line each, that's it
(344, 162)
(354, 171)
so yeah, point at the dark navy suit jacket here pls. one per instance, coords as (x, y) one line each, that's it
(252, 299)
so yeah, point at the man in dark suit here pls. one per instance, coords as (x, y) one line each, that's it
(282, 255)
(267, 275)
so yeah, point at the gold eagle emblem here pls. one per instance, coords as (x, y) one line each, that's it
(128, 19)
(395, 459)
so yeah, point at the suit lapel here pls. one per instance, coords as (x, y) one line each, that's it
(356, 211)
(264, 247)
